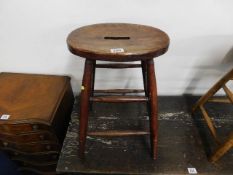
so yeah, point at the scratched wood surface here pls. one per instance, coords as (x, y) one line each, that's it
(184, 142)
(139, 42)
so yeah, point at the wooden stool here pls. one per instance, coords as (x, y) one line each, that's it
(118, 42)
(208, 97)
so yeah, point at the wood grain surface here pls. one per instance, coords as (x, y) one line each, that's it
(138, 42)
(39, 107)
(30, 97)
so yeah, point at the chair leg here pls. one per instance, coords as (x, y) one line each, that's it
(210, 123)
(222, 150)
(84, 105)
(153, 107)
(144, 74)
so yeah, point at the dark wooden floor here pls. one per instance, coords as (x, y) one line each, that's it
(184, 141)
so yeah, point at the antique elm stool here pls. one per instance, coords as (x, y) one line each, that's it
(118, 42)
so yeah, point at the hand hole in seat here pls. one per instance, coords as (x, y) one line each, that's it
(117, 37)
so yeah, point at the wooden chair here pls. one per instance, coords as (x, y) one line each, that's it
(208, 97)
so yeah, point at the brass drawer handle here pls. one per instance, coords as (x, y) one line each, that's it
(42, 137)
(35, 127)
(48, 147)
(5, 144)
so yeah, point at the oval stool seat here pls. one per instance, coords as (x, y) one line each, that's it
(136, 42)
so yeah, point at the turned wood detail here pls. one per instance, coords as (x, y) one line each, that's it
(85, 104)
(88, 95)
(118, 42)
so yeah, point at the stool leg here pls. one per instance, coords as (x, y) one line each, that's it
(84, 105)
(153, 107)
(93, 84)
(144, 74)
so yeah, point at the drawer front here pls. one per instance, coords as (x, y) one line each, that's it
(23, 128)
(37, 157)
(38, 169)
(30, 137)
(30, 147)
(45, 157)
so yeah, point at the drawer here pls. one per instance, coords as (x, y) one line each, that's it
(44, 169)
(30, 137)
(23, 128)
(30, 147)
(37, 157)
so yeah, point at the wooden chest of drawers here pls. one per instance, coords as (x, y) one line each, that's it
(34, 116)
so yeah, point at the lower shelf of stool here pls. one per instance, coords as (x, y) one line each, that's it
(118, 91)
(116, 133)
(119, 99)
(118, 66)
